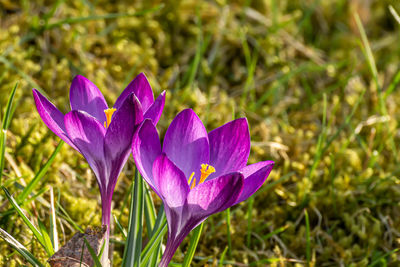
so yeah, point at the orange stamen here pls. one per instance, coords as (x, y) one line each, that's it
(193, 184)
(190, 178)
(109, 112)
(206, 170)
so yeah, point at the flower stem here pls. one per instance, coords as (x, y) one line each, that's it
(105, 220)
(170, 248)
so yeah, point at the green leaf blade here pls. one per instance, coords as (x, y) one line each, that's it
(35, 181)
(28, 223)
(20, 248)
(133, 244)
(194, 240)
(3, 133)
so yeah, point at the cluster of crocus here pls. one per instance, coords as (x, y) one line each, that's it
(195, 173)
(102, 135)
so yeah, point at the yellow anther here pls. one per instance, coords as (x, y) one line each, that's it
(190, 178)
(193, 184)
(109, 112)
(206, 170)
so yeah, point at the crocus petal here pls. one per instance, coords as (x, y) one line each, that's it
(84, 95)
(118, 138)
(141, 88)
(170, 182)
(186, 142)
(229, 146)
(215, 195)
(88, 136)
(155, 110)
(202, 201)
(51, 116)
(254, 177)
(146, 147)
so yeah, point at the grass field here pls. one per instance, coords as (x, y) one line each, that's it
(317, 80)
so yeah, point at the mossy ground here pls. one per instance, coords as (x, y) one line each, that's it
(298, 70)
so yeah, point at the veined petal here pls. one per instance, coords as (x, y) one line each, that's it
(186, 143)
(155, 110)
(170, 182)
(254, 177)
(118, 137)
(51, 116)
(88, 136)
(146, 147)
(229, 147)
(202, 201)
(141, 88)
(85, 96)
(215, 195)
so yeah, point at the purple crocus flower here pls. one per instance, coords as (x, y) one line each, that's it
(101, 134)
(196, 173)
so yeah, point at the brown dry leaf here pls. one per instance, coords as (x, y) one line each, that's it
(75, 253)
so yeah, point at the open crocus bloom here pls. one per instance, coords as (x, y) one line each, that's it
(101, 134)
(196, 173)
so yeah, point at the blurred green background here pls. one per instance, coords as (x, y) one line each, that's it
(317, 80)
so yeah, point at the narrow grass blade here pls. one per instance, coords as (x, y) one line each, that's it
(20, 248)
(149, 211)
(378, 260)
(394, 13)
(100, 17)
(64, 214)
(345, 123)
(120, 227)
(48, 246)
(52, 11)
(7, 115)
(251, 62)
(3, 134)
(92, 253)
(275, 232)
(150, 217)
(125, 202)
(28, 223)
(53, 223)
(308, 239)
(368, 50)
(133, 244)
(228, 231)
(155, 240)
(221, 260)
(3, 137)
(194, 240)
(249, 221)
(155, 257)
(190, 75)
(371, 62)
(321, 139)
(392, 85)
(156, 254)
(101, 250)
(160, 220)
(33, 184)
